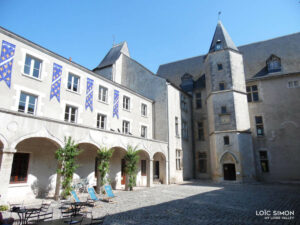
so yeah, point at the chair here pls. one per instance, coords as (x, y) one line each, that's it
(66, 210)
(109, 193)
(75, 196)
(93, 195)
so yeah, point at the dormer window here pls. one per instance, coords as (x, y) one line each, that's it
(274, 64)
(218, 45)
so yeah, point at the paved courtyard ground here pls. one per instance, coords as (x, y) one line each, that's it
(203, 203)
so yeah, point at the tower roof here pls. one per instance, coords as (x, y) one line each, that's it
(221, 37)
(113, 54)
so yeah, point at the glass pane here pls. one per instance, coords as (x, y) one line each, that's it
(36, 73)
(23, 97)
(28, 60)
(21, 107)
(69, 85)
(258, 120)
(37, 64)
(27, 69)
(30, 109)
(32, 99)
(255, 96)
(248, 89)
(249, 98)
(70, 78)
(254, 88)
(73, 118)
(73, 110)
(75, 88)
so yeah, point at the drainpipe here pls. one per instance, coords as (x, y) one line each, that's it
(167, 92)
(193, 138)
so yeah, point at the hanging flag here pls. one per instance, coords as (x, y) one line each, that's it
(6, 61)
(89, 94)
(116, 104)
(56, 81)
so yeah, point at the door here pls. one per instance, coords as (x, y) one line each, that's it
(156, 170)
(123, 174)
(229, 171)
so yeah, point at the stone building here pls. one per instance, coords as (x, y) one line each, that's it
(217, 116)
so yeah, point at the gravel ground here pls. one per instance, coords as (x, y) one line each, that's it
(199, 203)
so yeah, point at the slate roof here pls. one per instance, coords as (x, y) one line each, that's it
(255, 55)
(113, 54)
(222, 35)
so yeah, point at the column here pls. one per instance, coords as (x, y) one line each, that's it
(167, 172)
(5, 171)
(150, 173)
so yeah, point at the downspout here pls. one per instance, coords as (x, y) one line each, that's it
(167, 92)
(193, 139)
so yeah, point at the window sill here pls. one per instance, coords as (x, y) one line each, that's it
(74, 92)
(259, 101)
(127, 110)
(32, 77)
(106, 103)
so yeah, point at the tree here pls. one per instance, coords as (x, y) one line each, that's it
(67, 164)
(131, 159)
(103, 156)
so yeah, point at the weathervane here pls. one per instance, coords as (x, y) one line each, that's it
(219, 14)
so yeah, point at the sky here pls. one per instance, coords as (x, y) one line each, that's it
(157, 31)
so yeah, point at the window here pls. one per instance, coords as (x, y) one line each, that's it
(143, 168)
(126, 127)
(71, 114)
(183, 103)
(220, 66)
(202, 162)
(144, 131)
(218, 45)
(101, 121)
(126, 102)
(19, 169)
(184, 129)
(176, 127)
(259, 126)
(144, 109)
(221, 86)
(73, 82)
(27, 103)
(198, 100)
(274, 64)
(252, 93)
(226, 140)
(178, 159)
(32, 66)
(200, 131)
(223, 110)
(264, 162)
(103, 94)
(293, 84)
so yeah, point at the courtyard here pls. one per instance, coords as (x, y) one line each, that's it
(201, 203)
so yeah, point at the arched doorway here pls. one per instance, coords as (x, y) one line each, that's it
(228, 162)
(159, 168)
(117, 174)
(143, 169)
(86, 161)
(34, 166)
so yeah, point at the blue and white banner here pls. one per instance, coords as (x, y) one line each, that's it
(6, 61)
(56, 81)
(116, 104)
(89, 94)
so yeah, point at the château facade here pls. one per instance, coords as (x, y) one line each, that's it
(232, 114)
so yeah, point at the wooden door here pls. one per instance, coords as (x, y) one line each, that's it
(229, 171)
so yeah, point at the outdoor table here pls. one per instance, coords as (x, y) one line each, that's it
(24, 213)
(76, 206)
(65, 221)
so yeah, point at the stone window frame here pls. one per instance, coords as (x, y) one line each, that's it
(220, 66)
(200, 130)
(103, 91)
(179, 159)
(33, 60)
(99, 122)
(259, 124)
(144, 131)
(27, 99)
(273, 64)
(126, 103)
(177, 127)
(226, 140)
(144, 109)
(16, 178)
(69, 119)
(70, 83)
(252, 93)
(198, 99)
(264, 161)
(126, 127)
(202, 160)
(184, 129)
(222, 86)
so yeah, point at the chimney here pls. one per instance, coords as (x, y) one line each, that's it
(70, 59)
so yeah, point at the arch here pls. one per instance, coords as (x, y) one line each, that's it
(159, 168)
(285, 123)
(3, 143)
(44, 133)
(160, 153)
(230, 154)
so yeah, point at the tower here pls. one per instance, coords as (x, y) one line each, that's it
(228, 116)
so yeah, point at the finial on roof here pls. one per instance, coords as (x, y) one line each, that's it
(219, 14)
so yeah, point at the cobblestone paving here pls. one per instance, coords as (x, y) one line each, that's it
(201, 203)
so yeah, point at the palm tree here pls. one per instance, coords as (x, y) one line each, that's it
(103, 156)
(131, 159)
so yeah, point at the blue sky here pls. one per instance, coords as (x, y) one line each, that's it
(157, 31)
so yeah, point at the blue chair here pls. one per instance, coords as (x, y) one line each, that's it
(109, 193)
(75, 196)
(93, 195)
